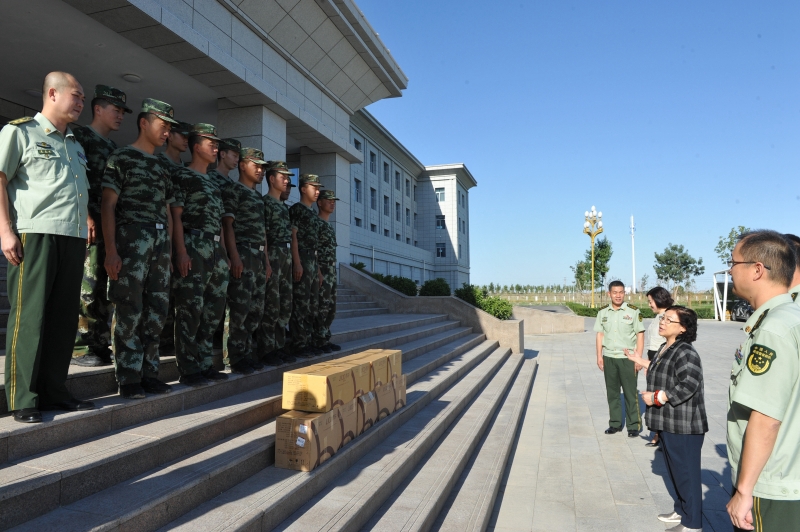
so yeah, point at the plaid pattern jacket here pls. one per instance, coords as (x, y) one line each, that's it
(677, 371)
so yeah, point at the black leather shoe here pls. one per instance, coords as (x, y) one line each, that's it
(316, 351)
(612, 430)
(90, 361)
(334, 347)
(133, 390)
(70, 405)
(153, 385)
(28, 415)
(194, 380)
(214, 375)
(241, 367)
(256, 364)
(272, 359)
(326, 349)
(287, 359)
(633, 433)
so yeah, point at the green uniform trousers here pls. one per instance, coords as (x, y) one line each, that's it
(305, 302)
(94, 335)
(199, 304)
(167, 341)
(43, 318)
(770, 515)
(141, 301)
(245, 306)
(621, 372)
(271, 334)
(327, 304)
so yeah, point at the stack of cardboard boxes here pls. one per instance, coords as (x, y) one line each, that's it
(333, 402)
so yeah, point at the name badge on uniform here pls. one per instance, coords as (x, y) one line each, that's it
(82, 157)
(738, 355)
(216, 238)
(604, 320)
(159, 226)
(44, 145)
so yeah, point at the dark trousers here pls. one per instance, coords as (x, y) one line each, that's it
(682, 454)
(43, 292)
(621, 373)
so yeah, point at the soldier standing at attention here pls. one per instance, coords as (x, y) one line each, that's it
(94, 336)
(326, 257)
(764, 390)
(305, 270)
(243, 224)
(137, 191)
(44, 223)
(619, 327)
(271, 334)
(201, 280)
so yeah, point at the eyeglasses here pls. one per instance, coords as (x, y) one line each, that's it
(731, 263)
(668, 320)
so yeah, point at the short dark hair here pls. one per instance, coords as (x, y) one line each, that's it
(661, 297)
(612, 284)
(771, 249)
(795, 241)
(102, 102)
(194, 140)
(147, 116)
(688, 320)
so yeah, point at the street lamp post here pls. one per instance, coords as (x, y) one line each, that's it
(593, 226)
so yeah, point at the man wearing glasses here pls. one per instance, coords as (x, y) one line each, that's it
(764, 393)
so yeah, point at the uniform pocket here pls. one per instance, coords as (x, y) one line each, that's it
(45, 164)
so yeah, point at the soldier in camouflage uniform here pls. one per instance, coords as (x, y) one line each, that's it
(201, 280)
(243, 224)
(94, 336)
(271, 334)
(326, 258)
(177, 143)
(137, 190)
(305, 270)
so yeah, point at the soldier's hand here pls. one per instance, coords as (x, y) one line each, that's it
(113, 265)
(269, 270)
(321, 279)
(740, 510)
(600, 363)
(184, 263)
(236, 266)
(91, 229)
(12, 248)
(297, 271)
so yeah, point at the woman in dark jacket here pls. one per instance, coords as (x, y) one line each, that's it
(676, 410)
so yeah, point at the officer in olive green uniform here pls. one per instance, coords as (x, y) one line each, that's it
(619, 327)
(326, 257)
(243, 223)
(44, 222)
(94, 335)
(200, 295)
(271, 335)
(305, 270)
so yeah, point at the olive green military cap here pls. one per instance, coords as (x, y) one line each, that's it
(230, 144)
(205, 130)
(184, 128)
(161, 109)
(278, 166)
(112, 96)
(327, 195)
(252, 154)
(310, 179)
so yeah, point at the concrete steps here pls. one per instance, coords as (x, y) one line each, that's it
(358, 313)
(355, 305)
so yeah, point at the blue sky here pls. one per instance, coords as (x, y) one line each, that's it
(683, 114)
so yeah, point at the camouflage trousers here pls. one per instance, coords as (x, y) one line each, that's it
(327, 304)
(199, 304)
(245, 306)
(94, 335)
(141, 298)
(271, 334)
(305, 301)
(168, 332)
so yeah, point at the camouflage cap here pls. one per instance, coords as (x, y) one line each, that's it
(278, 166)
(252, 154)
(112, 96)
(292, 185)
(184, 128)
(230, 144)
(161, 109)
(204, 130)
(310, 179)
(327, 194)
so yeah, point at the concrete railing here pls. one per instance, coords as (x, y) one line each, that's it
(542, 322)
(507, 332)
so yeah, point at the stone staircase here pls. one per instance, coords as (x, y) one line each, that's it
(201, 459)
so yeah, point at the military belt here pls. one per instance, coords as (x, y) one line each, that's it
(308, 253)
(154, 225)
(279, 245)
(203, 234)
(254, 249)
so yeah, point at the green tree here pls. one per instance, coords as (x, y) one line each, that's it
(491, 288)
(727, 243)
(583, 269)
(643, 283)
(675, 266)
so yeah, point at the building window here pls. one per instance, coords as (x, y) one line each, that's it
(416, 244)
(397, 237)
(373, 163)
(397, 180)
(357, 144)
(441, 250)
(463, 200)
(408, 188)
(459, 250)
(464, 226)
(358, 191)
(408, 217)
(458, 227)
(415, 220)
(440, 221)
(386, 205)
(358, 222)
(373, 199)
(408, 241)
(386, 172)
(397, 211)
(439, 194)
(385, 232)
(373, 228)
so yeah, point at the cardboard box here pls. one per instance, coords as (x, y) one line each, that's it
(379, 369)
(367, 411)
(361, 373)
(385, 399)
(395, 359)
(305, 440)
(399, 384)
(348, 419)
(318, 389)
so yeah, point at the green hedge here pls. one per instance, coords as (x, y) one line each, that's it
(497, 307)
(403, 285)
(435, 287)
(582, 310)
(703, 312)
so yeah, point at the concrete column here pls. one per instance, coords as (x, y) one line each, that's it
(255, 127)
(334, 172)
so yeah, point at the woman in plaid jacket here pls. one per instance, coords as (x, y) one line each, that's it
(676, 410)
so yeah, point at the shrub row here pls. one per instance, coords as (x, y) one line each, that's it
(404, 285)
(703, 312)
(477, 297)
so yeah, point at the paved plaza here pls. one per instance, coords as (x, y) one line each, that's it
(565, 474)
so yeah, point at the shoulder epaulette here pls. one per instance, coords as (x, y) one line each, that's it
(633, 307)
(603, 307)
(19, 121)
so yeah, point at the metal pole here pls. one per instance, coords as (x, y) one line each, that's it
(633, 256)
(592, 236)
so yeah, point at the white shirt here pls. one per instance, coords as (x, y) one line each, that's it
(653, 340)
